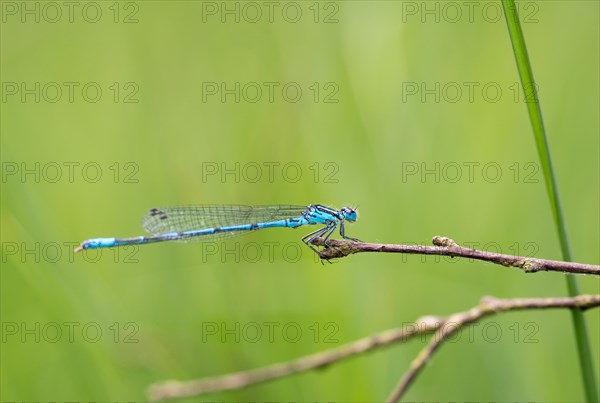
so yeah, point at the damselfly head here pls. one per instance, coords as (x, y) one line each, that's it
(350, 214)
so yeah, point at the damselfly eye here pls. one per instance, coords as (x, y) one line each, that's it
(350, 214)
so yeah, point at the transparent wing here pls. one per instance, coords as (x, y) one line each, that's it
(186, 218)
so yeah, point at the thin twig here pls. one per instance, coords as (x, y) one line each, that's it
(444, 246)
(487, 306)
(176, 389)
(425, 325)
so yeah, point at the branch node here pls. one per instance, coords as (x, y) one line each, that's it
(490, 304)
(334, 249)
(444, 241)
(530, 265)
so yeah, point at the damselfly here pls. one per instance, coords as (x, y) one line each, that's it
(216, 222)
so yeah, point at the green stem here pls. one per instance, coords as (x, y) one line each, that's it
(537, 123)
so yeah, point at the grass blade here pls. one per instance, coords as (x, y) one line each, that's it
(539, 133)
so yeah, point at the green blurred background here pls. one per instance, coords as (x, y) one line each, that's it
(385, 121)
